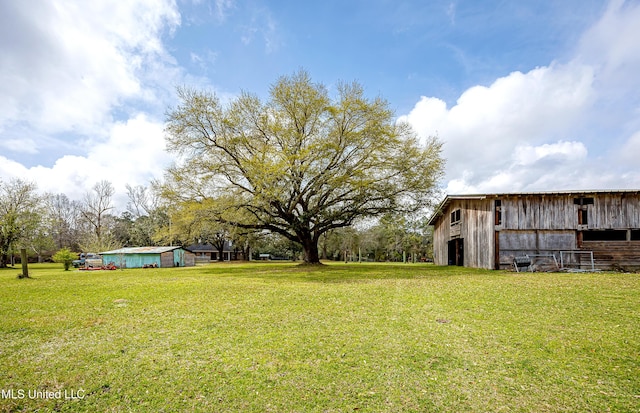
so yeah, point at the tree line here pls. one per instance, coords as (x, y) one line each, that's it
(46, 223)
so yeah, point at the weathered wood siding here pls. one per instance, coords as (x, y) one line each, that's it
(614, 211)
(536, 212)
(440, 238)
(542, 223)
(534, 240)
(517, 243)
(475, 229)
(548, 224)
(166, 259)
(615, 254)
(554, 212)
(189, 259)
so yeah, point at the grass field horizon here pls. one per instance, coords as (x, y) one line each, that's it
(335, 338)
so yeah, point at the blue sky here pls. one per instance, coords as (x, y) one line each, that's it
(526, 95)
(401, 50)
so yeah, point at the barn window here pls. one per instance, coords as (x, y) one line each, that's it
(583, 216)
(455, 217)
(635, 235)
(498, 208)
(583, 201)
(605, 235)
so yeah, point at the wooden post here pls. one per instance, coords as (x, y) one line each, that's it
(25, 265)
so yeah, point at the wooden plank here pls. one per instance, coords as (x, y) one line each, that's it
(556, 240)
(615, 254)
(166, 259)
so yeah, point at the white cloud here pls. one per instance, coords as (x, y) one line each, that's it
(25, 145)
(222, 8)
(612, 43)
(451, 13)
(11, 169)
(525, 155)
(195, 58)
(263, 24)
(567, 125)
(611, 47)
(629, 153)
(67, 64)
(133, 154)
(489, 126)
(68, 67)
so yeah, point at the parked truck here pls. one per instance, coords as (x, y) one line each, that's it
(88, 260)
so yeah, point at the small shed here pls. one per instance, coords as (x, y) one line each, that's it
(139, 257)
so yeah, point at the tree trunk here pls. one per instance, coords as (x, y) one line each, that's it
(310, 248)
(246, 253)
(220, 248)
(25, 263)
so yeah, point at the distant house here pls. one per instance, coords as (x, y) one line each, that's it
(138, 257)
(491, 230)
(208, 253)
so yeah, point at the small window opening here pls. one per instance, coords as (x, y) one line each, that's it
(455, 217)
(606, 235)
(583, 201)
(498, 208)
(635, 235)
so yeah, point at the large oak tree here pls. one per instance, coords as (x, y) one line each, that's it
(301, 163)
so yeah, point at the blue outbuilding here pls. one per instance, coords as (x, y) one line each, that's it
(139, 257)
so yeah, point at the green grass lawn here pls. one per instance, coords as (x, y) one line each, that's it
(341, 338)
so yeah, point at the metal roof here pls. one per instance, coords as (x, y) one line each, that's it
(208, 247)
(141, 250)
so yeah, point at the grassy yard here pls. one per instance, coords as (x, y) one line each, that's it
(342, 338)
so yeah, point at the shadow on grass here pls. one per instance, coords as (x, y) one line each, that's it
(338, 272)
(15, 272)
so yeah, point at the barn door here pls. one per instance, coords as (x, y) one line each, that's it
(456, 252)
(180, 262)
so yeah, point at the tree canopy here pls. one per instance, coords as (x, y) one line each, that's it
(301, 163)
(19, 215)
(94, 210)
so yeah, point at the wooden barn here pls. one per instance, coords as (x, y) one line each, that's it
(139, 257)
(495, 230)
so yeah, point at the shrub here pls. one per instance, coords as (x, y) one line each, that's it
(65, 257)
